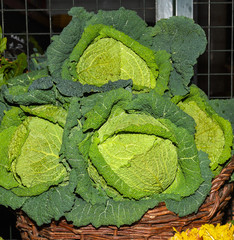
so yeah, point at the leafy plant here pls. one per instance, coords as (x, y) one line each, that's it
(213, 133)
(126, 49)
(10, 69)
(105, 129)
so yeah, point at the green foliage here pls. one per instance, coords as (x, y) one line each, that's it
(3, 42)
(61, 47)
(191, 203)
(213, 133)
(185, 41)
(10, 69)
(31, 138)
(106, 128)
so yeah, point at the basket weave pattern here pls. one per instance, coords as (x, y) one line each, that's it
(157, 223)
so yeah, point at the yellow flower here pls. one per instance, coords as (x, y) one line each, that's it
(186, 235)
(207, 232)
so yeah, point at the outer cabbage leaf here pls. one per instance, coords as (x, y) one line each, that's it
(164, 68)
(213, 133)
(3, 106)
(112, 213)
(24, 80)
(9, 199)
(225, 108)
(185, 41)
(63, 44)
(37, 97)
(126, 21)
(73, 135)
(98, 115)
(57, 200)
(192, 203)
(30, 88)
(49, 112)
(162, 107)
(42, 83)
(69, 88)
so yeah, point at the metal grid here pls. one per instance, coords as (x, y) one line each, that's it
(215, 67)
(41, 20)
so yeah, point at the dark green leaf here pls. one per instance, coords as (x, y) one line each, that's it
(9, 199)
(191, 203)
(185, 41)
(51, 204)
(112, 213)
(76, 89)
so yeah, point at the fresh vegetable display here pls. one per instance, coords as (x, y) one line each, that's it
(111, 126)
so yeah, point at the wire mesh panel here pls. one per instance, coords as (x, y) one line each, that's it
(215, 67)
(34, 22)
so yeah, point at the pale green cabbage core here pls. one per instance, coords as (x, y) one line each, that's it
(209, 136)
(37, 161)
(144, 162)
(136, 149)
(110, 60)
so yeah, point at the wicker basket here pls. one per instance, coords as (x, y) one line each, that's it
(157, 223)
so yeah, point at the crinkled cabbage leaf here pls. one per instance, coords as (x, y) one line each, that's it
(30, 161)
(213, 133)
(185, 41)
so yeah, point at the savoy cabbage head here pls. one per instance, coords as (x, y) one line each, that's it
(29, 141)
(112, 45)
(213, 132)
(111, 127)
(139, 154)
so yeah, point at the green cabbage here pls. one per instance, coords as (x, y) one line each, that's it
(104, 54)
(213, 132)
(30, 161)
(137, 160)
(112, 127)
(128, 141)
